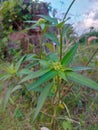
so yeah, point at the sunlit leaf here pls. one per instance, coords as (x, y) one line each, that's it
(50, 46)
(60, 25)
(10, 69)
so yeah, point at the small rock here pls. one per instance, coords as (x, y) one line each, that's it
(44, 128)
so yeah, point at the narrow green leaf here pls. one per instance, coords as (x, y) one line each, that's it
(49, 46)
(42, 99)
(80, 79)
(66, 28)
(81, 68)
(30, 21)
(34, 75)
(7, 96)
(62, 75)
(50, 19)
(60, 25)
(17, 87)
(69, 56)
(32, 64)
(52, 37)
(67, 69)
(20, 62)
(30, 57)
(24, 71)
(53, 57)
(33, 26)
(45, 77)
(5, 76)
(44, 63)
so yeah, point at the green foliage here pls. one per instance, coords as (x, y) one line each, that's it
(42, 99)
(82, 80)
(52, 37)
(13, 14)
(18, 113)
(7, 96)
(47, 75)
(58, 68)
(83, 37)
(49, 19)
(69, 56)
(67, 125)
(53, 67)
(12, 72)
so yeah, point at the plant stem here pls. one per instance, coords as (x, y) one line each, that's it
(55, 103)
(42, 39)
(41, 42)
(90, 59)
(53, 119)
(68, 9)
(92, 56)
(61, 46)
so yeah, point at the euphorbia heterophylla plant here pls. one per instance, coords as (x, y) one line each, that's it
(53, 69)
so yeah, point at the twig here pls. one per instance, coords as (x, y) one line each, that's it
(92, 56)
(46, 114)
(66, 118)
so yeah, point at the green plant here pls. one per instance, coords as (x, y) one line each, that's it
(56, 68)
(12, 73)
(13, 14)
(54, 72)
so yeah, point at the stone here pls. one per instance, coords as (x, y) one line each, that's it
(44, 128)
